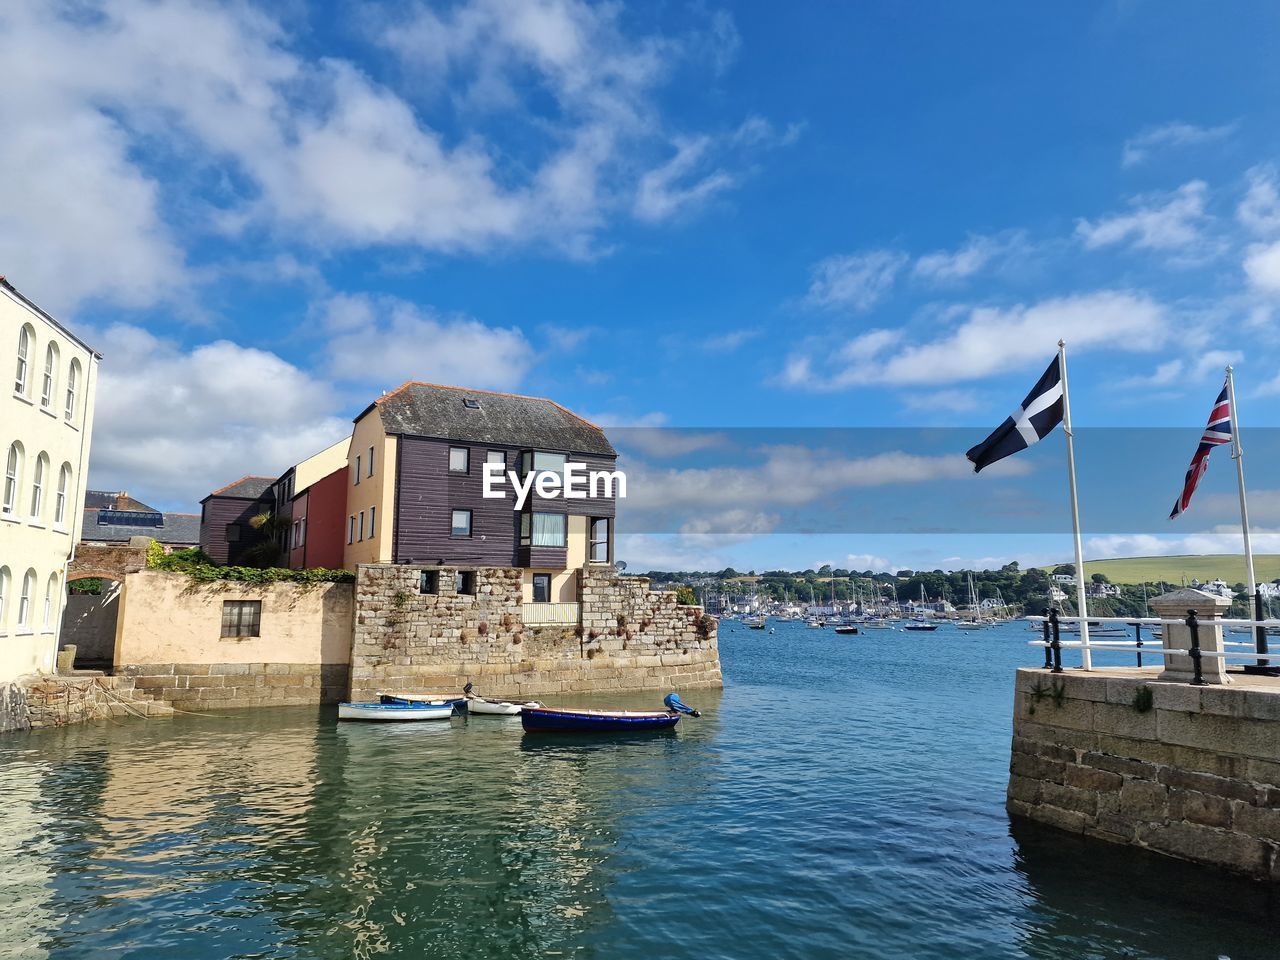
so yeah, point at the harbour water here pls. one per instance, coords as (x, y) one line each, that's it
(843, 797)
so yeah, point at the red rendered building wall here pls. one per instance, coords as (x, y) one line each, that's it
(324, 504)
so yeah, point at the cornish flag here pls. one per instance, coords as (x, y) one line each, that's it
(1216, 433)
(1034, 420)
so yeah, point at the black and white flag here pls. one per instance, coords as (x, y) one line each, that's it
(1034, 420)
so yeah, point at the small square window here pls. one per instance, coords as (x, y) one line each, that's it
(429, 582)
(461, 523)
(241, 618)
(471, 403)
(496, 456)
(464, 582)
(233, 533)
(542, 588)
(459, 459)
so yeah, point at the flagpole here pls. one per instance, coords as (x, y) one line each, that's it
(1086, 660)
(1237, 454)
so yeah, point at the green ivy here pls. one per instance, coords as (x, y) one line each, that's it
(197, 565)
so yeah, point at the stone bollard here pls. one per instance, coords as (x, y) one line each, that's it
(66, 659)
(1208, 608)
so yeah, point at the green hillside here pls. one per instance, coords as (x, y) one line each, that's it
(1229, 567)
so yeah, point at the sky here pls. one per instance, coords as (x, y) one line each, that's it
(677, 219)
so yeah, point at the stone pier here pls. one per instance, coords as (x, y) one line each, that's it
(1145, 758)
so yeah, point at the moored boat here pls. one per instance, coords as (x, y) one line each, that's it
(456, 702)
(846, 628)
(920, 625)
(493, 707)
(588, 720)
(395, 711)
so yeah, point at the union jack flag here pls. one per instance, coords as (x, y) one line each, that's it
(1216, 433)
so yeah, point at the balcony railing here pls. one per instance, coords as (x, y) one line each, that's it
(551, 614)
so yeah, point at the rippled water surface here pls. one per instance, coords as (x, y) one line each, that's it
(843, 797)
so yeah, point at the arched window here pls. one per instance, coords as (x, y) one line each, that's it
(12, 476)
(4, 597)
(49, 382)
(37, 486)
(24, 367)
(60, 501)
(24, 599)
(51, 604)
(73, 383)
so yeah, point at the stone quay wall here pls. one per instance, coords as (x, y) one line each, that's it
(629, 637)
(39, 701)
(197, 687)
(1192, 772)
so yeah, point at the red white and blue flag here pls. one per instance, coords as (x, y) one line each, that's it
(1216, 433)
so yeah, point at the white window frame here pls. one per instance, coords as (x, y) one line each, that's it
(37, 487)
(73, 377)
(373, 512)
(592, 542)
(22, 375)
(24, 600)
(466, 459)
(60, 499)
(49, 610)
(5, 579)
(369, 466)
(48, 384)
(12, 480)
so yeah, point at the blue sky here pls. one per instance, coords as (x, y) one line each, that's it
(661, 215)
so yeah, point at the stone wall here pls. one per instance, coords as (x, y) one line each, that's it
(630, 637)
(13, 708)
(198, 687)
(1192, 772)
(110, 560)
(57, 701)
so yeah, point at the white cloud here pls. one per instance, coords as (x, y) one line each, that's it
(1138, 149)
(136, 126)
(1156, 222)
(856, 281)
(385, 341)
(665, 443)
(977, 253)
(867, 561)
(789, 475)
(677, 186)
(1220, 539)
(1262, 267)
(731, 339)
(945, 401)
(648, 551)
(989, 341)
(173, 424)
(1260, 208)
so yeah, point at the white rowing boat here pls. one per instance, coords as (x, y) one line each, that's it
(499, 708)
(394, 711)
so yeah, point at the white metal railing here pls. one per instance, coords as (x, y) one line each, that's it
(1054, 645)
(551, 614)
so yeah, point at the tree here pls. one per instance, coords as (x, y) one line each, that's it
(1069, 569)
(685, 596)
(1099, 578)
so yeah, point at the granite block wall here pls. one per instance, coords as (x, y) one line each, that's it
(1190, 772)
(629, 637)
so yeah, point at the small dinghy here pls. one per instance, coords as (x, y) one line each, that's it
(459, 704)
(920, 625)
(583, 720)
(846, 628)
(395, 711)
(496, 708)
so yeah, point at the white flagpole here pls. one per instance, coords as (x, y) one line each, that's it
(1086, 660)
(1237, 454)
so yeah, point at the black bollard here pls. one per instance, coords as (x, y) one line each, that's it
(1137, 627)
(1194, 626)
(1056, 642)
(1048, 654)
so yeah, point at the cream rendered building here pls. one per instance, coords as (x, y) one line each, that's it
(44, 453)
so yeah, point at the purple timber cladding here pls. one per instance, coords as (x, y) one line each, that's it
(427, 493)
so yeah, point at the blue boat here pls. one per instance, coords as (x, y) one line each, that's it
(459, 704)
(584, 720)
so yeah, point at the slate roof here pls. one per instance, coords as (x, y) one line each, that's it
(246, 488)
(178, 528)
(112, 500)
(433, 410)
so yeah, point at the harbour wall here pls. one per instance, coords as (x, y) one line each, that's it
(1192, 772)
(625, 636)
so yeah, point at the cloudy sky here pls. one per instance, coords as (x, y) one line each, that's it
(662, 215)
